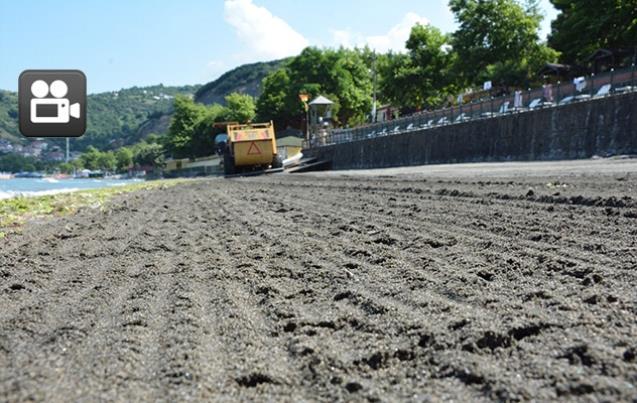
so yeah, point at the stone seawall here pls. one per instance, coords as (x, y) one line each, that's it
(604, 127)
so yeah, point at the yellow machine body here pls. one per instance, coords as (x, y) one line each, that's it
(252, 144)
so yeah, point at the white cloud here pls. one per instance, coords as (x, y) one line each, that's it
(346, 38)
(266, 35)
(394, 39)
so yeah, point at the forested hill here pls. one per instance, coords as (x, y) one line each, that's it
(245, 79)
(117, 118)
(9, 117)
(114, 117)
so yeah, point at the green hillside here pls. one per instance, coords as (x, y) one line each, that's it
(126, 116)
(244, 79)
(9, 117)
(113, 117)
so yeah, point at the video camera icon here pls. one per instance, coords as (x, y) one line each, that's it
(52, 103)
(52, 110)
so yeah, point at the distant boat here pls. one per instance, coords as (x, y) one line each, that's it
(5, 175)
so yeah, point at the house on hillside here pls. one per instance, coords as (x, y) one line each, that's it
(55, 155)
(5, 146)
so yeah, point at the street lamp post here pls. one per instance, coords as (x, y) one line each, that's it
(374, 88)
(304, 97)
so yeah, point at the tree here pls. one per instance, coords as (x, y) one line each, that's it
(342, 73)
(203, 134)
(584, 26)
(350, 86)
(90, 158)
(420, 78)
(240, 108)
(77, 164)
(66, 167)
(191, 132)
(148, 154)
(498, 40)
(396, 73)
(154, 138)
(17, 163)
(124, 158)
(187, 114)
(274, 103)
(94, 159)
(106, 161)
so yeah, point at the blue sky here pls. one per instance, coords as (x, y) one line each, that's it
(119, 43)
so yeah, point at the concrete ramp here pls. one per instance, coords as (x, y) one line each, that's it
(311, 164)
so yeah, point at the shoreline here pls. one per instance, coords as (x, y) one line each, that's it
(11, 194)
(16, 210)
(50, 186)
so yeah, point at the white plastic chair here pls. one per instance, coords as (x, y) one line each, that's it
(504, 108)
(461, 118)
(603, 91)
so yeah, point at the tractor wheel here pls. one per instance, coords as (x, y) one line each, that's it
(277, 162)
(228, 163)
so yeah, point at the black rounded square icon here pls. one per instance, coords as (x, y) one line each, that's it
(52, 103)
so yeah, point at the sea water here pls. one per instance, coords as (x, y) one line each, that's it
(46, 186)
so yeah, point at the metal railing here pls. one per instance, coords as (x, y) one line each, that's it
(549, 96)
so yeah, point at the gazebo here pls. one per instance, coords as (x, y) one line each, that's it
(320, 116)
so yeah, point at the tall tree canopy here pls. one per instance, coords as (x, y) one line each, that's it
(342, 75)
(192, 130)
(584, 26)
(275, 103)
(420, 78)
(187, 115)
(240, 108)
(499, 40)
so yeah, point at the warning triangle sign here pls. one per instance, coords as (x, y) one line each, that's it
(254, 149)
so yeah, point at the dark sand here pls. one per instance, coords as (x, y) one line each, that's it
(483, 284)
